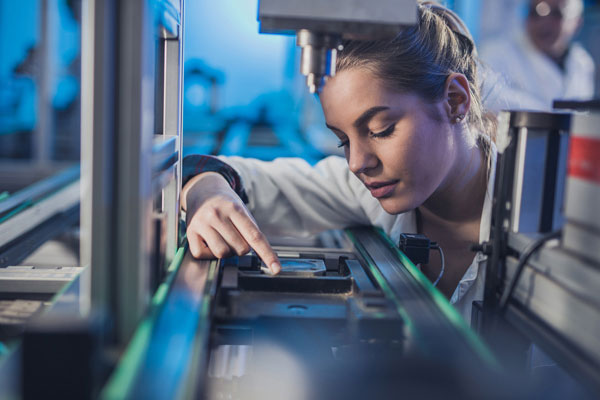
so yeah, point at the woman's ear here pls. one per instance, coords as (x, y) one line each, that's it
(457, 97)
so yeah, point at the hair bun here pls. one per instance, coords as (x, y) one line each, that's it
(453, 22)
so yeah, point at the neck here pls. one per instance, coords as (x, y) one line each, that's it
(460, 197)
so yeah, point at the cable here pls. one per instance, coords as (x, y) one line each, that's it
(525, 256)
(417, 247)
(439, 248)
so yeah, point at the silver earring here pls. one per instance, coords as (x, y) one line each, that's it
(459, 118)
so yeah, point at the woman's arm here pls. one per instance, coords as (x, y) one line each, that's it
(288, 196)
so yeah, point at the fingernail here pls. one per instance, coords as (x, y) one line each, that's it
(275, 268)
(266, 270)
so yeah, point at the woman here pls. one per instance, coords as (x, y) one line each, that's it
(408, 114)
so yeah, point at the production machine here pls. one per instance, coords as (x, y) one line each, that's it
(127, 191)
(543, 268)
(350, 315)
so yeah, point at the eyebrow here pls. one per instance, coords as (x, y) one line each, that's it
(364, 118)
(367, 115)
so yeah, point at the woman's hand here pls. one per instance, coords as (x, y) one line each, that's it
(219, 224)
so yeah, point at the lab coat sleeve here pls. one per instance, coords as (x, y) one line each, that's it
(288, 196)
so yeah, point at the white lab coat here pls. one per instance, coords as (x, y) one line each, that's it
(528, 79)
(288, 196)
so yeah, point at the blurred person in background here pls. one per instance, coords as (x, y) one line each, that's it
(540, 62)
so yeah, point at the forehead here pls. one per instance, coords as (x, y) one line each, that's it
(350, 82)
(350, 92)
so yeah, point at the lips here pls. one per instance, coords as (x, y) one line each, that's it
(381, 189)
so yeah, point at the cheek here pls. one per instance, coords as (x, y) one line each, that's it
(421, 164)
(423, 156)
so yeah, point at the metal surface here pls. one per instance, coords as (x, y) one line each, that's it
(541, 141)
(38, 190)
(133, 148)
(25, 279)
(25, 244)
(383, 17)
(426, 311)
(15, 175)
(164, 153)
(31, 217)
(321, 25)
(160, 364)
(585, 105)
(519, 172)
(171, 116)
(169, 15)
(117, 129)
(390, 316)
(97, 143)
(318, 58)
(557, 304)
(44, 129)
(513, 172)
(66, 301)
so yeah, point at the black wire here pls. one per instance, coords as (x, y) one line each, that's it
(525, 256)
(437, 247)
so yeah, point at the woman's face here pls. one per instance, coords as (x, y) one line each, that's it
(401, 147)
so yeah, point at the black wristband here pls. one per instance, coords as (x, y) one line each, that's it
(196, 164)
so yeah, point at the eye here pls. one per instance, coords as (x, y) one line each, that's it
(343, 143)
(386, 132)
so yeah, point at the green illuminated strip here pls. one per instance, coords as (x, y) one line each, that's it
(4, 196)
(440, 300)
(382, 282)
(202, 332)
(17, 210)
(120, 384)
(3, 350)
(163, 289)
(122, 379)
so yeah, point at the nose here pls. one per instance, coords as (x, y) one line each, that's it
(360, 158)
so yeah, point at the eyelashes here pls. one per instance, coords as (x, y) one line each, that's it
(386, 132)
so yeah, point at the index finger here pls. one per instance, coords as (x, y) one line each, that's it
(257, 240)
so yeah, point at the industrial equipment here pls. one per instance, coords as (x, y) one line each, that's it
(372, 324)
(539, 289)
(350, 315)
(132, 57)
(320, 27)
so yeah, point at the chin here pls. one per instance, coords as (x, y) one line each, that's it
(394, 206)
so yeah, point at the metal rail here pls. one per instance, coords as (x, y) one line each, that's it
(37, 216)
(438, 328)
(39, 190)
(160, 364)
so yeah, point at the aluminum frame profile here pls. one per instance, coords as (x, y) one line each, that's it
(336, 16)
(555, 303)
(118, 63)
(170, 117)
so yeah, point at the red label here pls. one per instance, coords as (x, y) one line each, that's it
(584, 158)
